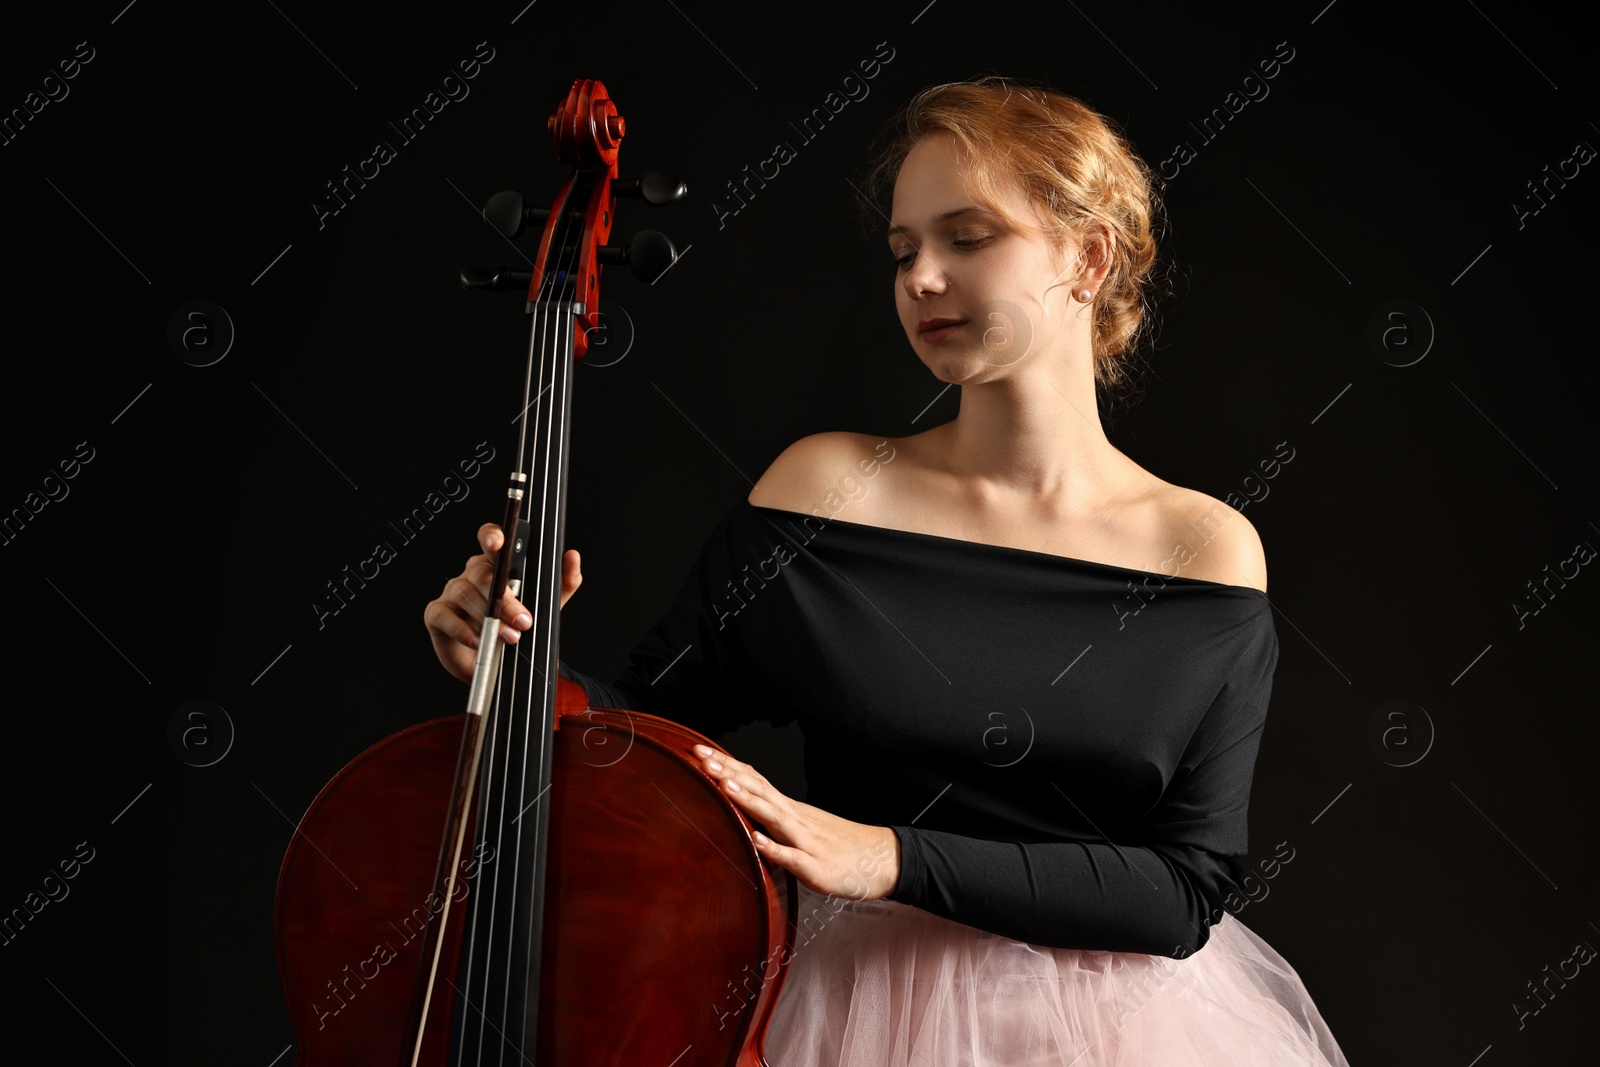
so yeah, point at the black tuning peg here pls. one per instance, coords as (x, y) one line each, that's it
(510, 215)
(495, 281)
(649, 255)
(655, 188)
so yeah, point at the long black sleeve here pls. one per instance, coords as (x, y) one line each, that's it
(1159, 897)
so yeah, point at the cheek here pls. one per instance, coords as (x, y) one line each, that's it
(1054, 288)
(902, 302)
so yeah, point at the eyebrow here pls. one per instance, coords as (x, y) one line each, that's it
(898, 228)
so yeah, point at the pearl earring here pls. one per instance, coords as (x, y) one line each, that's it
(1085, 295)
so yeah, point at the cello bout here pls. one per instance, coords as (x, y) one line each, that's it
(654, 943)
(355, 895)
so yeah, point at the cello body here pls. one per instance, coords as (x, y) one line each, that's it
(654, 885)
(536, 881)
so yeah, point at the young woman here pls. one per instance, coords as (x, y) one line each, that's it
(1032, 676)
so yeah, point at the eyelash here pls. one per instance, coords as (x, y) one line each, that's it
(965, 244)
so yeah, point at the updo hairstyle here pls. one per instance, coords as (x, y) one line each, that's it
(1072, 163)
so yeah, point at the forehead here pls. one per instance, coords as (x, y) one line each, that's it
(936, 179)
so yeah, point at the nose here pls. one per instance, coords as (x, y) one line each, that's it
(923, 276)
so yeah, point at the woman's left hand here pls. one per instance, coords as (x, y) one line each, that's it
(825, 853)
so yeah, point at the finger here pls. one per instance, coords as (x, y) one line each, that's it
(453, 603)
(453, 640)
(465, 597)
(790, 859)
(769, 811)
(748, 778)
(466, 593)
(460, 590)
(512, 633)
(452, 627)
(706, 750)
(758, 799)
(513, 613)
(481, 570)
(454, 615)
(479, 576)
(491, 537)
(762, 810)
(723, 767)
(718, 765)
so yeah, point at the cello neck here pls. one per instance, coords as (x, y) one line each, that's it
(499, 976)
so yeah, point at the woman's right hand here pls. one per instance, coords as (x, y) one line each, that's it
(455, 619)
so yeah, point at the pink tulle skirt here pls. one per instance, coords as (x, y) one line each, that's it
(883, 984)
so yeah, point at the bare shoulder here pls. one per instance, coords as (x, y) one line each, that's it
(1213, 541)
(819, 473)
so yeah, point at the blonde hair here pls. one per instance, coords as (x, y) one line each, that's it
(1072, 163)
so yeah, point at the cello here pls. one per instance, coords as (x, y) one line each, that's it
(537, 880)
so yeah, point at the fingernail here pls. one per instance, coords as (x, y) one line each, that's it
(524, 621)
(733, 786)
(702, 750)
(714, 765)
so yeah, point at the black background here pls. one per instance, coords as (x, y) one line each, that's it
(1384, 165)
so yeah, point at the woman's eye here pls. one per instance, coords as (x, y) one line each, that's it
(965, 243)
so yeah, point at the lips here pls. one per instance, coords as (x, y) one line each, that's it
(939, 329)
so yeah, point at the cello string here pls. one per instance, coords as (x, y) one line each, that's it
(540, 729)
(501, 736)
(475, 991)
(519, 730)
(520, 691)
(554, 355)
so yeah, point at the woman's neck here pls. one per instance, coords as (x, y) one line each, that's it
(1030, 442)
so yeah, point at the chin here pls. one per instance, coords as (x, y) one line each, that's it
(955, 371)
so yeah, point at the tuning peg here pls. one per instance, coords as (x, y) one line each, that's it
(655, 188)
(649, 255)
(495, 280)
(509, 214)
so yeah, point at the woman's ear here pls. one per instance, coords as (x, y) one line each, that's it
(1097, 251)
